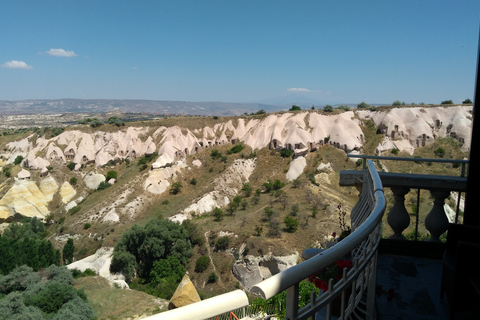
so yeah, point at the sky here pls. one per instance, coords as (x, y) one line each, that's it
(319, 52)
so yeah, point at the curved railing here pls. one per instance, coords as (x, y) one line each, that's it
(356, 289)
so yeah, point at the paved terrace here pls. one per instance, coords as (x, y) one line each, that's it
(416, 282)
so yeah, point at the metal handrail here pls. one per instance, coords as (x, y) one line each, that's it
(461, 161)
(290, 278)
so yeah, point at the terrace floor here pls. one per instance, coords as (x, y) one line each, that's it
(416, 282)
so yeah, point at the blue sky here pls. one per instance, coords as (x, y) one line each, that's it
(324, 52)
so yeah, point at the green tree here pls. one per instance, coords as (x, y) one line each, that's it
(96, 123)
(328, 108)
(157, 240)
(247, 189)
(222, 243)
(218, 214)
(116, 121)
(67, 252)
(467, 101)
(446, 102)
(165, 276)
(275, 185)
(71, 165)
(363, 105)
(294, 108)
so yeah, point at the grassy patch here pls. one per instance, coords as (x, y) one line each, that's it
(114, 303)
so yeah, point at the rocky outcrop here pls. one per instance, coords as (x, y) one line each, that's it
(24, 199)
(184, 295)
(251, 269)
(100, 263)
(409, 128)
(67, 192)
(226, 186)
(296, 168)
(301, 132)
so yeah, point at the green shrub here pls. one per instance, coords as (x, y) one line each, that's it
(202, 264)
(328, 108)
(73, 181)
(176, 187)
(291, 224)
(222, 243)
(71, 165)
(218, 214)
(74, 210)
(236, 148)
(215, 154)
(112, 174)
(212, 278)
(103, 185)
(286, 153)
(439, 152)
(18, 160)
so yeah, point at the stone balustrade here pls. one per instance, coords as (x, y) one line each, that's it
(436, 221)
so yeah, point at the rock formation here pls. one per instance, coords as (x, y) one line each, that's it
(184, 295)
(251, 269)
(301, 132)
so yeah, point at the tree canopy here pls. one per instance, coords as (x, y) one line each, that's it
(23, 244)
(140, 247)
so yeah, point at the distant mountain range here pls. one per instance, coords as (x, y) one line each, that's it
(44, 106)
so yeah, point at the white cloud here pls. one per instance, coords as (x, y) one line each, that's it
(299, 89)
(14, 64)
(61, 53)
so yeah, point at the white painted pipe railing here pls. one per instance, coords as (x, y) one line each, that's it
(207, 308)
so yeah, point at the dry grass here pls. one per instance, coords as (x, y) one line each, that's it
(114, 303)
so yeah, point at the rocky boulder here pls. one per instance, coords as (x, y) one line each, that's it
(184, 295)
(251, 269)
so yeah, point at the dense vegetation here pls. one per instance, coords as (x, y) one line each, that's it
(24, 244)
(45, 294)
(155, 253)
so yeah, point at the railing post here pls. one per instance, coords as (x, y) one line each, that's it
(292, 302)
(436, 221)
(398, 217)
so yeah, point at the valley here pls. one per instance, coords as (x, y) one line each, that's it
(255, 190)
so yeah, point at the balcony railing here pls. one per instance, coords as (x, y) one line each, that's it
(440, 187)
(355, 290)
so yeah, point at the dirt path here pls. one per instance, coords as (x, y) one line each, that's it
(211, 259)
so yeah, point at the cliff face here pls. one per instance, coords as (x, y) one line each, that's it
(301, 132)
